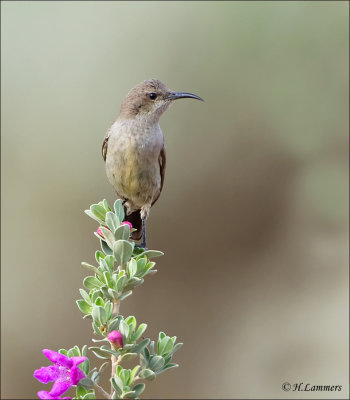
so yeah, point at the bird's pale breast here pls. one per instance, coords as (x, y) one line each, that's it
(132, 162)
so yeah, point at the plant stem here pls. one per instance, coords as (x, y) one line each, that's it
(102, 391)
(114, 360)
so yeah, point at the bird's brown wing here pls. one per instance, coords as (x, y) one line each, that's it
(105, 146)
(162, 164)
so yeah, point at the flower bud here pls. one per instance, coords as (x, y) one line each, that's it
(127, 223)
(116, 338)
(99, 232)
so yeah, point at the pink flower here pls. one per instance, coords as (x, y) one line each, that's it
(64, 372)
(99, 232)
(46, 395)
(127, 223)
(116, 338)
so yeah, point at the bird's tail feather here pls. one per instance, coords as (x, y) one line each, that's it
(136, 222)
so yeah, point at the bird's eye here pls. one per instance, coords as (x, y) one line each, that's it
(152, 96)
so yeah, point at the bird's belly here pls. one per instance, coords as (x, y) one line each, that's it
(134, 173)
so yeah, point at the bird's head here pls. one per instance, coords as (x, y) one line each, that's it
(149, 100)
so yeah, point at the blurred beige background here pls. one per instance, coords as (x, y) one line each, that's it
(253, 218)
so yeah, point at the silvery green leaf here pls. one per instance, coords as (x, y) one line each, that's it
(147, 269)
(151, 345)
(131, 321)
(106, 205)
(85, 296)
(141, 263)
(89, 396)
(134, 371)
(90, 282)
(128, 356)
(99, 302)
(131, 268)
(125, 295)
(165, 346)
(115, 396)
(124, 375)
(63, 351)
(167, 359)
(107, 250)
(99, 340)
(138, 348)
(113, 293)
(167, 367)
(129, 395)
(161, 335)
(108, 236)
(152, 253)
(139, 388)
(121, 282)
(127, 347)
(110, 351)
(103, 366)
(83, 350)
(124, 329)
(105, 292)
(177, 346)
(85, 367)
(100, 353)
(99, 314)
(94, 294)
(98, 211)
(117, 384)
(156, 363)
(119, 209)
(109, 309)
(112, 221)
(133, 282)
(122, 250)
(122, 232)
(107, 277)
(140, 330)
(103, 265)
(151, 272)
(93, 216)
(86, 383)
(110, 263)
(147, 374)
(114, 324)
(80, 392)
(98, 255)
(91, 268)
(84, 306)
(70, 353)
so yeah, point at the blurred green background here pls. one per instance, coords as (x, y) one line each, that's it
(253, 218)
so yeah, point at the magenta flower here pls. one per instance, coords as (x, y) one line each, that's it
(127, 223)
(46, 395)
(99, 232)
(64, 372)
(116, 338)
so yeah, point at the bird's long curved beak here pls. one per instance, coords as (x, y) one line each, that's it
(183, 95)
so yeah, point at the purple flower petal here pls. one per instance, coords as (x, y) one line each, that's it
(60, 386)
(58, 358)
(78, 360)
(47, 374)
(46, 395)
(76, 375)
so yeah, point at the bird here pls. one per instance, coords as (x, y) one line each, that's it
(134, 152)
